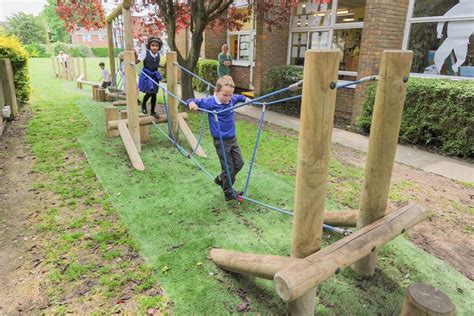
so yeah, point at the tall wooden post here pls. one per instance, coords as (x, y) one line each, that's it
(317, 115)
(84, 63)
(386, 120)
(8, 86)
(172, 86)
(110, 44)
(72, 68)
(131, 78)
(78, 67)
(54, 67)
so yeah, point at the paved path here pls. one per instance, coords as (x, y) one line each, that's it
(441, 165)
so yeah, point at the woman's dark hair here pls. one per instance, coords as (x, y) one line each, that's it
(154, 39)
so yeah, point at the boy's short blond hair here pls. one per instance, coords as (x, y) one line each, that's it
(224, 81)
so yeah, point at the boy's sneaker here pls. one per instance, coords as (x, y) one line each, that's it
(229, 197)
(218, 181)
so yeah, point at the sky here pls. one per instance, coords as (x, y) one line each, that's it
(9, 7)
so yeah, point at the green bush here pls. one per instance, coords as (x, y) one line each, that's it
(10, 47)
(79, 51)
(437, 113)
(60, 47)
(103, 51)
(279, 77)
(38, 50)
(206, 69)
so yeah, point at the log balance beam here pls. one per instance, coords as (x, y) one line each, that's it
(293, 276)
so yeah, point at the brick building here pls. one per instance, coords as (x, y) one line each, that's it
(361, 30)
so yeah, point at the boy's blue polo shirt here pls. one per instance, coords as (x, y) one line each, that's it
(226, 119)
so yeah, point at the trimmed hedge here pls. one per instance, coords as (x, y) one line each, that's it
(37, 50)
(438, 113)
(206, 69)
(10, 47)
(104, 51)
(71, 50)
(279, 77)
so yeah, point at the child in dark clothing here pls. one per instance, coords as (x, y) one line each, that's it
(151, 61)
(223, 99)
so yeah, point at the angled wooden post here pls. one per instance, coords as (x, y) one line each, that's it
(172, 86)
(386, 119)
(317, 116)
(8, 85)
(54, 67)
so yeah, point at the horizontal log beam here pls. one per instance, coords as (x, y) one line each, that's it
(117, 11)
(341, 218)
(147, 120)
(262, 266)
(90, 83)
(298, 278)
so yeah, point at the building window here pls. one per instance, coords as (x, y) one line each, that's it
(86, 38)
(441, 35)
(241, 43)
(314, 26)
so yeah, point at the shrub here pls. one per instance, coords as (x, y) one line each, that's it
(37, 50)
(60, 47)
(206, 69)
(279, 77)
(104, 51)
(79, 51)
(10, 47)
(437, 113)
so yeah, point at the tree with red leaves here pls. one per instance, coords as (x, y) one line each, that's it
(196, 16)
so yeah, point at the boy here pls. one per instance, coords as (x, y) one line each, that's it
(223, 98)
(105, 76)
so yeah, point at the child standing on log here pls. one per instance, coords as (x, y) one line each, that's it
(151, 61)
(222, 99)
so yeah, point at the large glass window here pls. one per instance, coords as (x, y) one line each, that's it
(241, 43)
(441, 35)
(314, 26)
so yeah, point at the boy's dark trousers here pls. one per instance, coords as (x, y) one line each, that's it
(234, 161)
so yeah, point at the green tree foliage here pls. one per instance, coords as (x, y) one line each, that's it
(27, 28)
(56, 26)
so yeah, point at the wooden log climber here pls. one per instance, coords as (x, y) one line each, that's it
(144, 129)
(78, 81)
(386, 121)
(110, 43)
(119, 103)
(101, 92)
(425, 300)
(116, 96)
(95, 94)
(111, 114)
(84, 63)
(295, 280)
(81, 81)
(8, 87)
(130, 146)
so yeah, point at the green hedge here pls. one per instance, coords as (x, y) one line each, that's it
(438, 113)
(37, 50)
(10, 47)
(72, 50)
(206, 69)
(104, 51)
(279, 77)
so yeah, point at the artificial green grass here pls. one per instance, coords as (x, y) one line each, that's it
(175, 214)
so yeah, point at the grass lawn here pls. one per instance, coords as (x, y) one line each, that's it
(174, 213)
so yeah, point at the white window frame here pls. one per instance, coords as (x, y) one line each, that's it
(236, 59)
(324, 28)
(429, 19)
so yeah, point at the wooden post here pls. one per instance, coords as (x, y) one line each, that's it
(425, 300)
(100, 94)
(296, 279)
(111, 114)
(54, 67)
(171, 84)
(64, 70)
(386, 120)
(95, 93)
(78, 67)
(72, 68)
(8, 85)
(84, 63)
(130, 77)
(317, 115)
(110, 44)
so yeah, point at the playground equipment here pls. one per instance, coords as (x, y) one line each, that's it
(70, 70)
(296, 277)
(133, 129)
(8, 102)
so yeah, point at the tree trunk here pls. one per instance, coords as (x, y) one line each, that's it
(187, 91)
